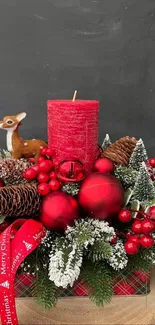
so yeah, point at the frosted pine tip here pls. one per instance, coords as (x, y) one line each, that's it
(74, 96)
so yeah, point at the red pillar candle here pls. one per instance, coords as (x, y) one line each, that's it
(73, 130)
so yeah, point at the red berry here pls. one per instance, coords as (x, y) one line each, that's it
(151, 212)
(54, 185)
(49, 152)
(137, 227)
(32, 160)
(114, 240)
(133, 238)
(53, 174)
(43, 189)
(45, 166)
(43, 177)
(147, 241)
(131, 247)
(43, 151)
(152, 162)
(40, 159)
(30, 174)
(124, 215)
(36, 168)
(147, 226)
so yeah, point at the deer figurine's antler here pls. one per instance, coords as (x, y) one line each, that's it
(18, 147)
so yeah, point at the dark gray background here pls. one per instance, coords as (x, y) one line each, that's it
(103, 48)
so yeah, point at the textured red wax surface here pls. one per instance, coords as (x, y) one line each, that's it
(73, 130)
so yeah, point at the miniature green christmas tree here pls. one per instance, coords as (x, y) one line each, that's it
(106, 142)
(144, 190)
(138, 156)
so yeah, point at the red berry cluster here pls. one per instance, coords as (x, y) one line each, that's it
(44, 172)
(141, 232)
(150, 164)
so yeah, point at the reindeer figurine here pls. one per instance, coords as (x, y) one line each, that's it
(18, 147)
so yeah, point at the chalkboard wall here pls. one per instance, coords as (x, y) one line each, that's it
(103, 48)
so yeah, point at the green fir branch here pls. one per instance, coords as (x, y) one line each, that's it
(99, 251)
(99, 278)
(44, 291)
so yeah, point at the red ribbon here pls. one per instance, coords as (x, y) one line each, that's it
(12, 252)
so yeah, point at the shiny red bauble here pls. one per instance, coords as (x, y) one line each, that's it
(70, 171)
(151, 212)
(114, 240)
(54, 184)
(58, 211)
(124, 215)
(104, 165)
(131, 247)
(147, 226)
(30, 174)
(101, 195)
(133, 238)
(152, 162)
(45, 166)
(32, 160)
(43, 177)
(43, 189)
(137, 227)
(147, 241)
(4, 225)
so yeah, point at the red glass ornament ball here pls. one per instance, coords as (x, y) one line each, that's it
(147, 226)
(131, 247)
(104, 165)
(70, 171)
(101, 195)
(133, 238)
(151, 212)
(147, 241)
(43, 177)
(43, 151)
(152, 162)
(4, 225)
(137, 227)
(58, 211)
(30, 174)
(124, 215)
(45, 166)
(53, 174)
(40, 159)
(43, 189)
(54, 184)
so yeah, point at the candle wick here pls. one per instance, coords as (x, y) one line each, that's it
(74, 96)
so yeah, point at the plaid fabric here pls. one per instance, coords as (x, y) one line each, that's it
(137, 283)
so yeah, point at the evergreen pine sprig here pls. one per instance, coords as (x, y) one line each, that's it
(126, 175)
(99, 278)
(44, 291)
(4, 154)
(99, 251)
(138, 156)
(106, 142)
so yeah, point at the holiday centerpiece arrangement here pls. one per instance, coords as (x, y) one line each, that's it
(77, 218)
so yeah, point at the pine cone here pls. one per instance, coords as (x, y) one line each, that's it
(11, 170)
(120, 151)
(19, 200)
